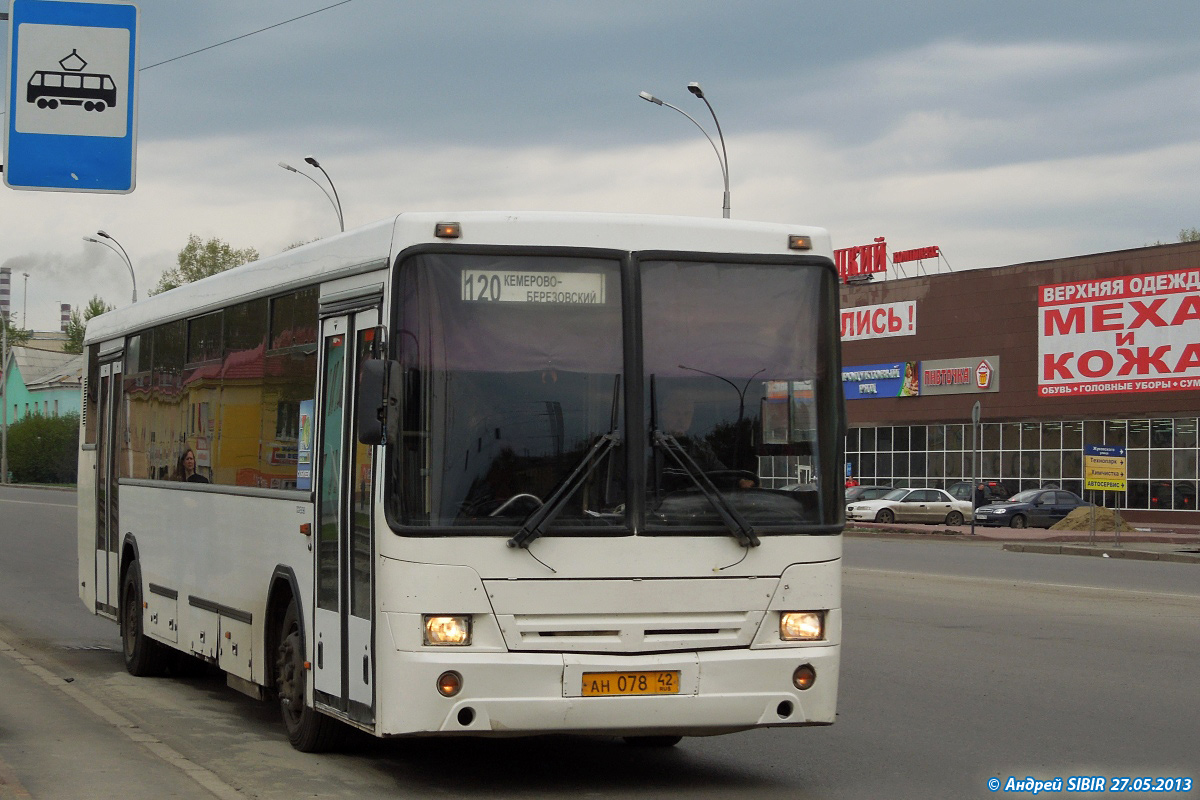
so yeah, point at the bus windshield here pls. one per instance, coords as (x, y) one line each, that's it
(511, 368)
(732, 368)
(515, 370)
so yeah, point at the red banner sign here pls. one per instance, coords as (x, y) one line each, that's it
(1137, 333)
(919, 254)
(862, 260)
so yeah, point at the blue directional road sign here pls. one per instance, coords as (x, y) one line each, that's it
(72, 99)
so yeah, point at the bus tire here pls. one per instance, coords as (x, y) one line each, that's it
(653, 741)
(143, 656)
(308, 730)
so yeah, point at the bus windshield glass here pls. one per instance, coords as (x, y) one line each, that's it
(734, 377)
(511, 369)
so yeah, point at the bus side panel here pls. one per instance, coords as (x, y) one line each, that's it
(85, 509)
(218, 552)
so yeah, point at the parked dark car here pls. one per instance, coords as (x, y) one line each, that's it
(1180, 495)
(866, 492)
(1033, 508)
(993, 490)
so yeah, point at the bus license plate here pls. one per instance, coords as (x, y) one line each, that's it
(622, 684)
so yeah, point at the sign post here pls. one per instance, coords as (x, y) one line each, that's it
(72, 96)
(1103, 470)
(975, 417)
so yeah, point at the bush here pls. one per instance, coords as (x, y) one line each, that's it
(44, 449)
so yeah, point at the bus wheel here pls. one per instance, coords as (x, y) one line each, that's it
(308, 730)
(143, 656)
(42, 102)
(653, 741)
(89, 105)
(100, 106)
(52, 103)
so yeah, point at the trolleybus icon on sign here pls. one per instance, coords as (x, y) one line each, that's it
(71, 86)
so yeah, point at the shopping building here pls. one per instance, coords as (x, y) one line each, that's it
(1077, 364)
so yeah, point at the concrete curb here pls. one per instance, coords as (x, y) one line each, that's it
(1099, 551)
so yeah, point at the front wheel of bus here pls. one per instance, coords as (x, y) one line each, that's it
(143, 656)
(308, 730)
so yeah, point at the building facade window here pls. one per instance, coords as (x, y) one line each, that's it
(1162, 459)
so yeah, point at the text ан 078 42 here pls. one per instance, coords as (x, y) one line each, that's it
(607, 684)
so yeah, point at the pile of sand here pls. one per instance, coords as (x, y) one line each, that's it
(1081, 520)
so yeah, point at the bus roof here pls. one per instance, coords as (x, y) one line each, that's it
(373, 246)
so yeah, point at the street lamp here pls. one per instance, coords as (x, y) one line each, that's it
(740, 392)
(722, 155)
(334, 200)
(25, 302)
(119, 251)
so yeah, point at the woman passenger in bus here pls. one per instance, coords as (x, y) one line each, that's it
(185, 470)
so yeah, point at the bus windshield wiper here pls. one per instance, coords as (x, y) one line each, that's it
(732, 518)
(535, 524)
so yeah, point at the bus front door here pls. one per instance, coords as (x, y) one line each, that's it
(344, 655)
(108, 533)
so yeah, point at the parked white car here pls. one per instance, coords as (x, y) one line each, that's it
(931, 506)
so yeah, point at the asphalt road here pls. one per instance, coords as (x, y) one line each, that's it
(961, 663)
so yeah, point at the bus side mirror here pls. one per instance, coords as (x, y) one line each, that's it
(378, 411)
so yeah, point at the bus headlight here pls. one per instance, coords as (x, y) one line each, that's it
(444, 630)
(802, 626)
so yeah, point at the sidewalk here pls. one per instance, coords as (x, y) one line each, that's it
(1148, 542)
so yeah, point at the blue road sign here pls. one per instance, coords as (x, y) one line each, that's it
(72, 99)
(1109, 451)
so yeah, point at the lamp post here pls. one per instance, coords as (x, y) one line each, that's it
(25, 302)
(741, 393)
(119, 251)
(722, 155)
(334, 200)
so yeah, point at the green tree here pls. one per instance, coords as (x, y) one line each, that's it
(44, 449)
(16, 336)
(77, 324)
(199, 259)
(1189, 235)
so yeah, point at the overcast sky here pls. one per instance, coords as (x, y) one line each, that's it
(1002, 132)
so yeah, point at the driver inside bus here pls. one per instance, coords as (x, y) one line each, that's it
(676, 416)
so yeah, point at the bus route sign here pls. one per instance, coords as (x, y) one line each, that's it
(72, 96)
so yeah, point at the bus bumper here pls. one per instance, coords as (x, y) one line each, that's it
(536, 693)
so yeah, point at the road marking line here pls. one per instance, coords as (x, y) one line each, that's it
(206, 778)
(36, 503)
(1019, 584)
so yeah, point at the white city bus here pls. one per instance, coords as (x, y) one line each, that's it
(482, 474)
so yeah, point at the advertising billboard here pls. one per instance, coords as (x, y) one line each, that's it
(898, 379)
(974, 375)
(879, 321)
(1138, 333)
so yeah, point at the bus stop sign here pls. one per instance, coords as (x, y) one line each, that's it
(72, 96)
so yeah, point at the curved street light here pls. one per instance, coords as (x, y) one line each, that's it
(334, 200)
(119, 251)
(740, 392)
(722, 156)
